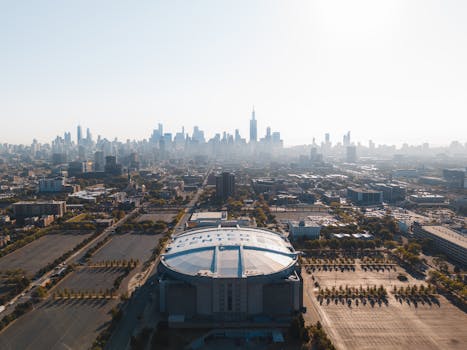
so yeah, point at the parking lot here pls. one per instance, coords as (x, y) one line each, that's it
(37, 254)
(166, 216)
(397, 325)
(58, 325)
(128, 246)
(90, 279)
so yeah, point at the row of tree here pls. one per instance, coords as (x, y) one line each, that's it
(409, 254)
(146, 226)
(130, 264)
(23, 241)
(330, 261)
(90, 252)
(14, 282)
(353, 292)
(414, 291)
(344, 244)
(84, 294)
(20, 310)
(452, 284)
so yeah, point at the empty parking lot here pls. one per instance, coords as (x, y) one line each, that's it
(58, 325)
(44, 250)
(128, 246)
(397, 325)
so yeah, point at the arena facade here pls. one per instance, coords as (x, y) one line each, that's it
(230, 274)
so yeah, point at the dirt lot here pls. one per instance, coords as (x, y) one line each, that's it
(128, 246)
(90, 279)
(166, 216)
(395, 326)
(58, 325)
(35, 255)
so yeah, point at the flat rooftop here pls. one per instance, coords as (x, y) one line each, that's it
(363, 190)
(447, 234)
(38, 202)
(209, 215)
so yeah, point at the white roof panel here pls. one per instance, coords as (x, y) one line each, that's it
(229, 252)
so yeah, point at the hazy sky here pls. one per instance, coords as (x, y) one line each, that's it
(390, 71)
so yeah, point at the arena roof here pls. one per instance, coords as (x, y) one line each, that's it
(229, 252)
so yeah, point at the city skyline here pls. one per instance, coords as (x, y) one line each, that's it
(342, 140)
(389, 72)
(250, 133)
(233, 174)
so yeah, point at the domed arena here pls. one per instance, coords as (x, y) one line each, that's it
(230, 274)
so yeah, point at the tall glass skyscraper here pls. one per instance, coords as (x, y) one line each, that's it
(253, 128)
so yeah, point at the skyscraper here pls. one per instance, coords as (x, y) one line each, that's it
(351, 154)
(268, 134)
(346, 139)
(156, 134)
(253, 128)
(79, 135)
(99, 161)
(88, 136)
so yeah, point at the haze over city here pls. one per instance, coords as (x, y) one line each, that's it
(392, 72)
(224, 174)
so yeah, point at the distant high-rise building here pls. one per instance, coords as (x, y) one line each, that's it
(276, 138)
(88, 136)
(79, 135)
(225, 185)
(156, 134)
(351, 155)
(58, 158)
(179, 138)
(346, 139)
(168, 138)
(253, 127)
(99, 161)
(315, 157)
(110, 161)
(327, 138)
(67, 138)
(237, 135)
(268, 133)
(111, 166)
(198, 135)
(81, 153)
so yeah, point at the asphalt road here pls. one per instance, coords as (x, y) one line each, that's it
(142, 298)
(189, 207)
(27, 295)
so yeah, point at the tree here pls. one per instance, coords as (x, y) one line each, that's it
(39, 293)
